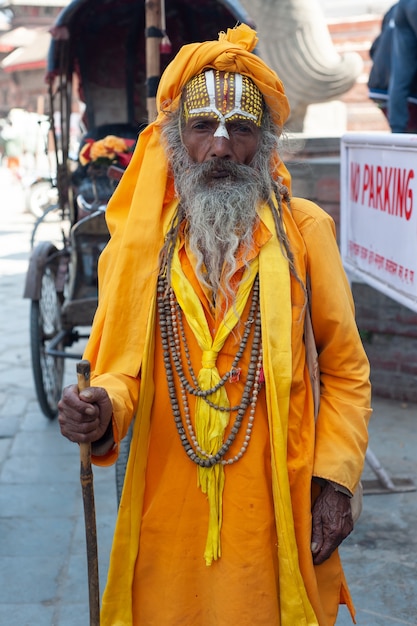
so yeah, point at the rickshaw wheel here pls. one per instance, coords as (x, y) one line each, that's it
(45, 323)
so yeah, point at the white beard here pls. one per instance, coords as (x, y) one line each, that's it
(221, 215)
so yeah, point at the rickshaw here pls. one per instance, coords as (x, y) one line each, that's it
(106, 57)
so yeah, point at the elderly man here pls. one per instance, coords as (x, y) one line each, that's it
(235, 498)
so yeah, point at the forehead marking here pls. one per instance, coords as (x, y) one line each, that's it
(237, 109)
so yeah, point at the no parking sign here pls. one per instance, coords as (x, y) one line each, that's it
(379, 212)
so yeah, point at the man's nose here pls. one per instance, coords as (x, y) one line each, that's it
(221, 148)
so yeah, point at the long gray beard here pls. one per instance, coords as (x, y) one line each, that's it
(221, 215)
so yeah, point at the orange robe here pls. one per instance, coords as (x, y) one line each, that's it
(169, 581)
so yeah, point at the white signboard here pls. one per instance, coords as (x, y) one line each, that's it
(379, 212)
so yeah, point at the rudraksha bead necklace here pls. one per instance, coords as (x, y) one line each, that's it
(172, 335)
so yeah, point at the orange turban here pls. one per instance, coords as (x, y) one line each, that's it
(231, 53)
(139, 213)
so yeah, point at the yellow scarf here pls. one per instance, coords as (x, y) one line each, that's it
(210, 422)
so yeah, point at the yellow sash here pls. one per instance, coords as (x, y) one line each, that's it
(276, 316)
(210, 423)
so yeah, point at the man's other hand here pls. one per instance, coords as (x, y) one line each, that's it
(332, 522)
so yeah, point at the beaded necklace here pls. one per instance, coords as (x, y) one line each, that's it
(172, 336)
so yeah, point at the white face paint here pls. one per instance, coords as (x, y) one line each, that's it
(221, 130)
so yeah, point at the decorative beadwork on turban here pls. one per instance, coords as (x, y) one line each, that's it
(226, 95)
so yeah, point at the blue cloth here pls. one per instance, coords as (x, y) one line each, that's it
(380, 54)
(403, 64)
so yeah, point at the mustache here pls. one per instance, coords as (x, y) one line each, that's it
(236, 171)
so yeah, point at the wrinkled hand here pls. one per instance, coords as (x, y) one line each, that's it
(84, 416)
(332, 523)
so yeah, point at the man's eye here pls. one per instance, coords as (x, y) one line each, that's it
(201, 126)
(241, 128)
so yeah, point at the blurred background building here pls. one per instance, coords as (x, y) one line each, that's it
(24, 43)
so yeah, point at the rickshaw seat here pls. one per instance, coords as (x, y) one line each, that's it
(88, 238)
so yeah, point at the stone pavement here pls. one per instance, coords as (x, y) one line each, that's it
(43, 580)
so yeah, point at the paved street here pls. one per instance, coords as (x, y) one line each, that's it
(43, 579)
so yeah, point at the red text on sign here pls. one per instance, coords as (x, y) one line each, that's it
(385, 188)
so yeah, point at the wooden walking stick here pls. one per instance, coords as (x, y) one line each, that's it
(86, 478)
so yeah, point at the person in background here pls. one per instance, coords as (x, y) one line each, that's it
(380, 54)
(235, 498)
(403, 76)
